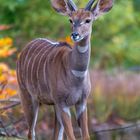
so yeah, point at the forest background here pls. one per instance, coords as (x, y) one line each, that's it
(114, 67)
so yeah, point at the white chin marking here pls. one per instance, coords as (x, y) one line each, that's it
(77, 39)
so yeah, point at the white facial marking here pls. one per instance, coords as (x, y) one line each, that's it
(67, 110)
(82, 49)
(79, 74)
(80, 110)
(82, 23)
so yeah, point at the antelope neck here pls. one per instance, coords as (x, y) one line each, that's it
(80, 58)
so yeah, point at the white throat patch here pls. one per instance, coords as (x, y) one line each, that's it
(82, 49)
(79, 74)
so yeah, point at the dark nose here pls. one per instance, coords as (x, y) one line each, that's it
(75, 35)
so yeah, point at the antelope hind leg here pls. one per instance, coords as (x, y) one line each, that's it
(30, 108)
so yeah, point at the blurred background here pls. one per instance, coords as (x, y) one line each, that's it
(114, 103)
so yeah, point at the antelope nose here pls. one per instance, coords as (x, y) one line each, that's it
(75, 36)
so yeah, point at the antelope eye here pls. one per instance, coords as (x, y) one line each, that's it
(70, 21)
(88, 21)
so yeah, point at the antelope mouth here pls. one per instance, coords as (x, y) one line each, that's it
(77, 38)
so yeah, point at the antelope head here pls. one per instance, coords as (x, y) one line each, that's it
(81, 19)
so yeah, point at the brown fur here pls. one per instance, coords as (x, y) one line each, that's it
(59, 5)
(83, 121)
(68, 126)
(53, 73)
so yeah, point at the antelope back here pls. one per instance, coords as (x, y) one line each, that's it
(40, 64)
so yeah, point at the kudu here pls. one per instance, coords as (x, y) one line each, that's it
(54, 73)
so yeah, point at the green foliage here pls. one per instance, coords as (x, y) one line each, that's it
(115, 38)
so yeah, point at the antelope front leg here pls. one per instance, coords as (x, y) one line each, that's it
(59, 128)
(64, 114)
(81, 112)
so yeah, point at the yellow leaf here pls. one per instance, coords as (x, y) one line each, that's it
(11, 92)
(6, 42)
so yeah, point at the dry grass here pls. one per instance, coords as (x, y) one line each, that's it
(115, 93)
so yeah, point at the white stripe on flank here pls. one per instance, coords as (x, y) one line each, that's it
(32, 45)
(39, 64)
(53, 43)
(79, 74)
(33, 60)
(44, 70)
(26, 57)
(19, 77)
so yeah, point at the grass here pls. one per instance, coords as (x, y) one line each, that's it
(114, 97)
(117, 93)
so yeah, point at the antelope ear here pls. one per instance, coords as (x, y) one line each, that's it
(102, 6)
(63, 7)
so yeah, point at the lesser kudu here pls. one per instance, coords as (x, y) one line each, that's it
(54, 73)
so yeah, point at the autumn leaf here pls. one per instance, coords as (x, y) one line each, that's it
(8, 82)
(68, 40)
(4, 27)
(6, 47)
